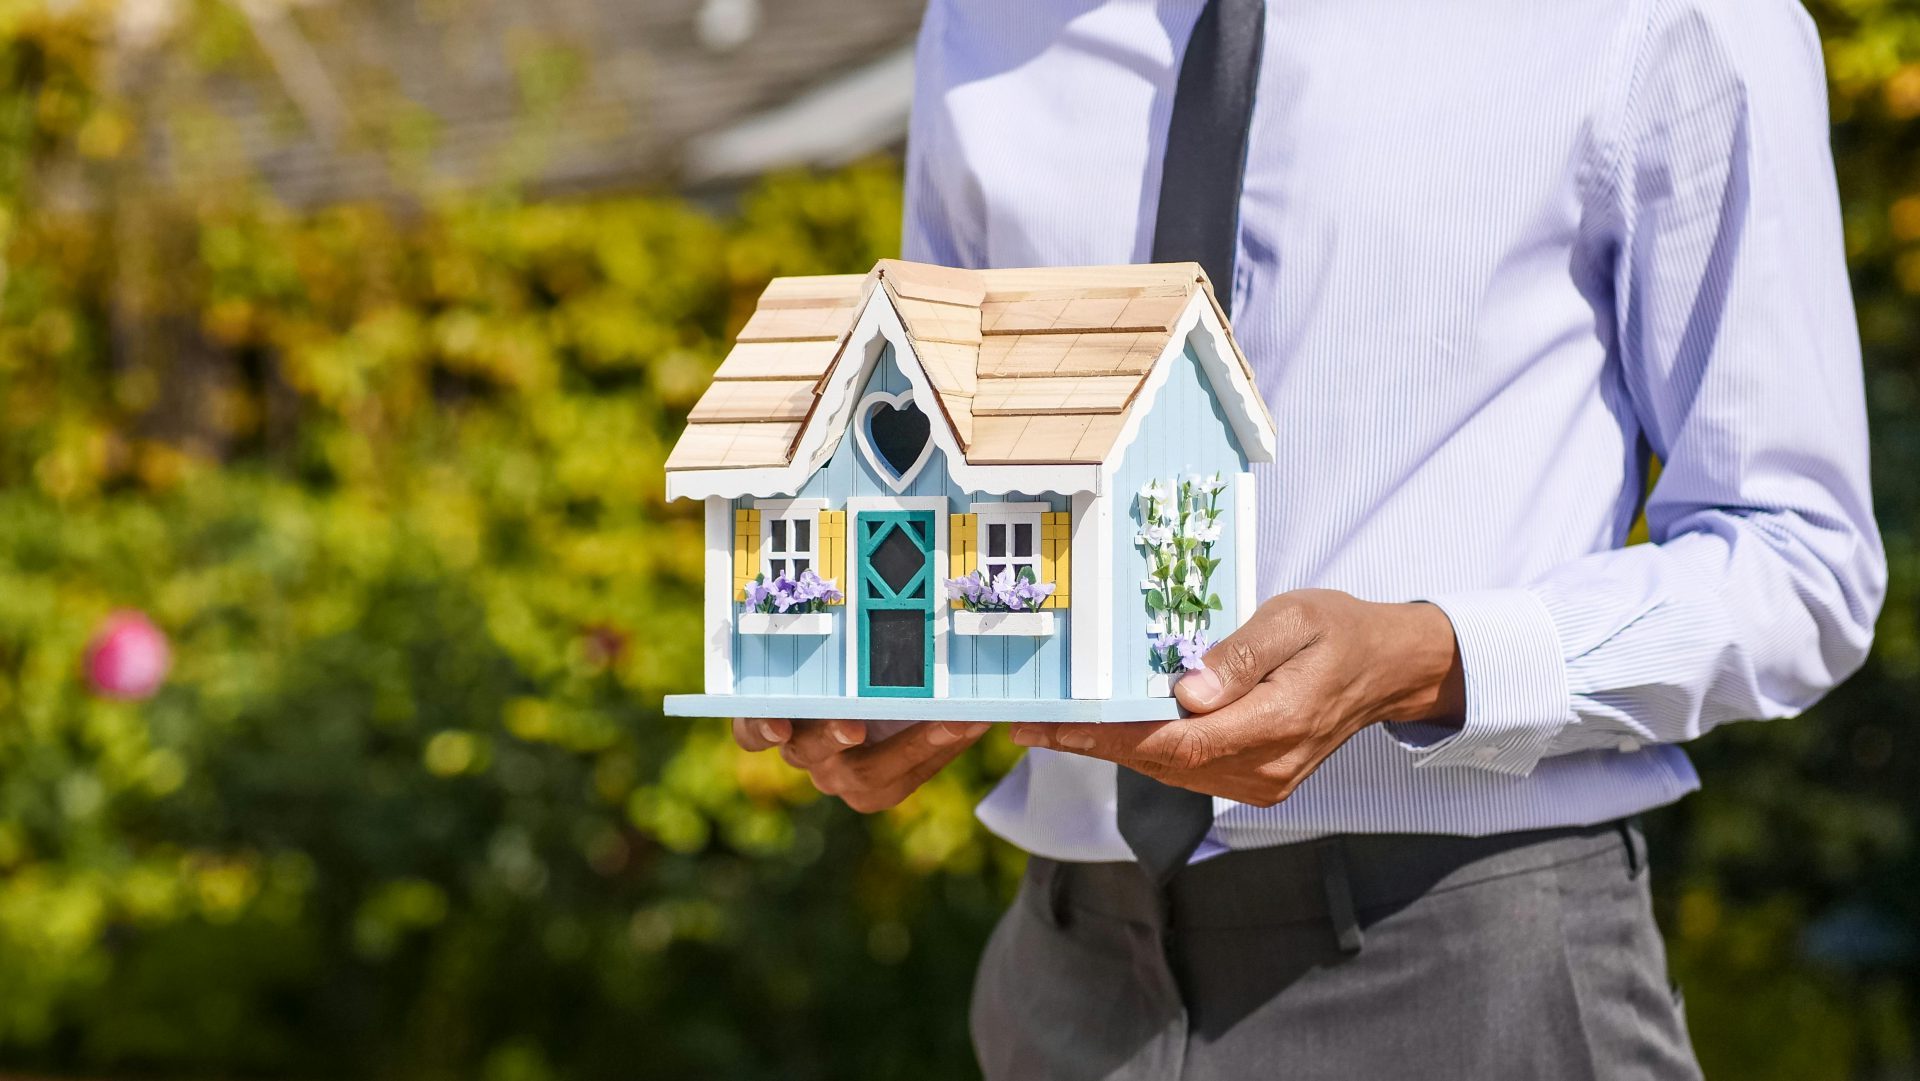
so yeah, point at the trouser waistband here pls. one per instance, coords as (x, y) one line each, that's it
(1341, 878)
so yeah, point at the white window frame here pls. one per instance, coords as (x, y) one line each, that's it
(1008, 515)
(789, 511)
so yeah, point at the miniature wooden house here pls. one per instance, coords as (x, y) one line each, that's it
(978, 495)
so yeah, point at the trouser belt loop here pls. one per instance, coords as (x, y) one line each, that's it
(1636, 844)
(1339, 887)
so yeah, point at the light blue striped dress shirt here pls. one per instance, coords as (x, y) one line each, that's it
(1494, 256)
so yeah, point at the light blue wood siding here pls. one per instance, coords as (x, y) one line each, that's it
(1186, 431)
(978, 667)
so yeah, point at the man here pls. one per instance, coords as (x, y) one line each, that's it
(1489, 259)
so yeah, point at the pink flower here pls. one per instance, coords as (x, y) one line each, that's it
(128, 657)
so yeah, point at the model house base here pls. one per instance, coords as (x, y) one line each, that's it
(813, 708)
(938, 494)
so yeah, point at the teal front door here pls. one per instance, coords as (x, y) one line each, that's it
(896, 603)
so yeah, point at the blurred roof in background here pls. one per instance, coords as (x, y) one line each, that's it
(347, 99)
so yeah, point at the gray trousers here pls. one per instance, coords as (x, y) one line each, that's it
(1356, 958)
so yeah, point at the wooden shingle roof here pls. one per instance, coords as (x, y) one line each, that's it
(1028, 366)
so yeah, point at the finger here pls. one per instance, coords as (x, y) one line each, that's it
(760, 733)
(1190, 743)
(816, 741)
(868, 800)
(1237, 663)
(886, 762)
(1263, 776)
(1110, 741)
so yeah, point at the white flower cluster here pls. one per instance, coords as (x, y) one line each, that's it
(1179, 525)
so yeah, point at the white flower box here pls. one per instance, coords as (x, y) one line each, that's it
(1021, 624)
(1160, 684)
(786, 623)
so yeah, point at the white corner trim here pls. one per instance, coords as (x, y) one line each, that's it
(863, 438)
(1246, 546)
(938, 505)
(1089, 612)
(717, 617)
(877, 326)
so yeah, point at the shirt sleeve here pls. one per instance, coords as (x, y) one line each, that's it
(1734, 331)
(941, 222)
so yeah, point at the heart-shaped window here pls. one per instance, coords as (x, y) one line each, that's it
(896, 437)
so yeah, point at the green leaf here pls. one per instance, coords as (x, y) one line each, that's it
(1213, 602)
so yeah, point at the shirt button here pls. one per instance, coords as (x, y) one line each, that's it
(1487, 754)
(1628, 746)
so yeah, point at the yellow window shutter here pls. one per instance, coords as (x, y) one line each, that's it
(746, 551)
(962, 536)
(1056, 555)
(832, 531)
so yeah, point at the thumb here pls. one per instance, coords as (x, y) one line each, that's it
(1242, 659)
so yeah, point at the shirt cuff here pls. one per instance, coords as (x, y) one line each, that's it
(1517, 696)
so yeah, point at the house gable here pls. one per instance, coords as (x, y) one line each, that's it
(1186, 431)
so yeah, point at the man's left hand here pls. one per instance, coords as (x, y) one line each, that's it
(1279, 695)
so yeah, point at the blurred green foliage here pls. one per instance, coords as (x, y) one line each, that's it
(390, 479)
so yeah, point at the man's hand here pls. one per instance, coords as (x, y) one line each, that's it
(1279, 695)
(869, 765)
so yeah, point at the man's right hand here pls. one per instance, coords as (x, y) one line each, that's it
(870, 765)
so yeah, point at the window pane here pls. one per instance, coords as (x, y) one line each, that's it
(994, 569)
(1023, 538)
(801, 529)
(996, 540)
(800, 566)
(777, 535)
(897, 559)
(776, 567)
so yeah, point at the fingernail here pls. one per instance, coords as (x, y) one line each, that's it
(978, 729)
(843, 735)
(1074, 741)
(767, 732)
(942, 735)
(1201, 684)
(1027, 737)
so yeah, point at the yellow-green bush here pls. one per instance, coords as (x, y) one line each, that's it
(406, 805)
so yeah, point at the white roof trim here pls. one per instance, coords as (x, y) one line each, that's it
(878, 325)
(1200, 323)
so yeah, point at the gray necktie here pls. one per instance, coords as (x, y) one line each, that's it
(1198, 220)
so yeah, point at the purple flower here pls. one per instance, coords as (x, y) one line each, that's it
(1008, 591)
(804, 594)
(964, 588)
(1193, 651)
(1173, 653)
(757, 595)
